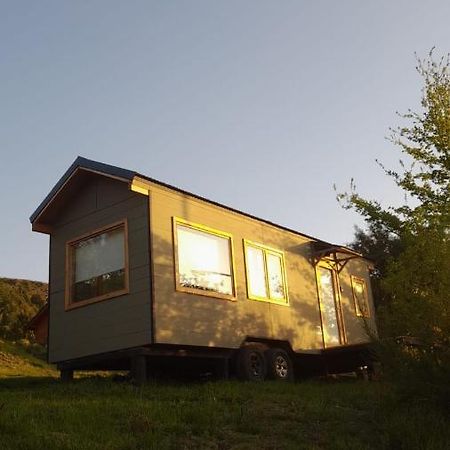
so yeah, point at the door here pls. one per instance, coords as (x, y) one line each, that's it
(329, 306)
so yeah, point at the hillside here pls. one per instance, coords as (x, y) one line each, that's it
(17, 360)
(19, 302)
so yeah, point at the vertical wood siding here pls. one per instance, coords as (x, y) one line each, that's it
(112, 324)
(182, 318)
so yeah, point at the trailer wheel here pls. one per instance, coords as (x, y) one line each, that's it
(251, 363)
(371, 372)
(362, 373)
(279, 365)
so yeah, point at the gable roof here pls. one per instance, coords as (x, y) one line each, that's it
(125, 175)
(86, 164)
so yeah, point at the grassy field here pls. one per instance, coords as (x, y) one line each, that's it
(16, 361)
(38, 412)
(103, 414)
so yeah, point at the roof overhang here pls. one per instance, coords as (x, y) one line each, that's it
(83, 168)
(76, 174)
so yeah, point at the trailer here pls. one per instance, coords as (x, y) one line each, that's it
(144, 275)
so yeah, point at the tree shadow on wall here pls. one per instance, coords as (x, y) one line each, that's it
(181, 318)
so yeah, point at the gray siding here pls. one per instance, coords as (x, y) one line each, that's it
(109, 325)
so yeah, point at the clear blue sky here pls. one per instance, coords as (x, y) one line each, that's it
(261, 105)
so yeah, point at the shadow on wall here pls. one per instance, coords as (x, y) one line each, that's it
(358, 329)
(202, 320)
(306, 317)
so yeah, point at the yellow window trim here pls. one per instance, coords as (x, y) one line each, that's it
(272, 251)
(199, 227)
(358, 312)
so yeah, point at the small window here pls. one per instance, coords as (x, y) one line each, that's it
(203, 260)
(266, 276)
(97, 267)
(360, 297)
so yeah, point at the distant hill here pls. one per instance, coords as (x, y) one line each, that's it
(19, 302)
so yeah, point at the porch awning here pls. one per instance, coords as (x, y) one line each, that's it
(338, 254)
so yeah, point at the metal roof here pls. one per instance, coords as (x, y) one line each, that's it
(128, 175)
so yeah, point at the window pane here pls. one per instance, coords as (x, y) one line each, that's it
(204, 260)
(275, 275)
(360, 298)
(98, 265)
(328, 307)
(99, 255)
(255, 269)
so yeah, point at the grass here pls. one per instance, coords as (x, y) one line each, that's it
(17, 361)
(38, 412)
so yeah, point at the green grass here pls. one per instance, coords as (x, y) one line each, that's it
(17, 361)
(37, 411)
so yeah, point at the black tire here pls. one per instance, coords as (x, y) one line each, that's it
(251, 363)
(362, 373)
(371, 372)
(279, 365)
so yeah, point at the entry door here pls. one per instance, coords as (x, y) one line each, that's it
(329, 306)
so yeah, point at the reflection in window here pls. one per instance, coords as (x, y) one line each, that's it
(360, 297)
(266, 278)
(98, 265)
(330, 324)
(275, 276)
(256, 272)
(204, 260)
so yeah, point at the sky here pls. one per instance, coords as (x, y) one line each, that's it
(260, 105)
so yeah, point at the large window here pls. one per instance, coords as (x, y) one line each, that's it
(360, 297)
(97, 266)
(203, 260)
(330, 310)
(266, 276)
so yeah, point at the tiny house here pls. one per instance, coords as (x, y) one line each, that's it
(141, 272)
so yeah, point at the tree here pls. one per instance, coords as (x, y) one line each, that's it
(19, 302)
(381, 247)
(425, 142)
(415, 276)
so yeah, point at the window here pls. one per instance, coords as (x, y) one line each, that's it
(97, 266)
(360, 297)
(203, 260)
(266, 276)
(330, 307)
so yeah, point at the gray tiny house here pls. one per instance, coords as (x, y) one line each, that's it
(142, 273)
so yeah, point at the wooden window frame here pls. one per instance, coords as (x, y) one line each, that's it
(271, 251)
(68, 303)
(358, 312)
(207, 230)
